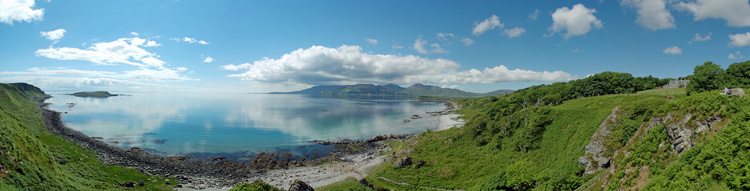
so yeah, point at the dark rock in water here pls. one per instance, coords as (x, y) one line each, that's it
(97, 137)
(219, 158)
(298, 185)
(129, 184)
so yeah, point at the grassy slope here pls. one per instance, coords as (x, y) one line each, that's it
(455, 161)
(36, 160)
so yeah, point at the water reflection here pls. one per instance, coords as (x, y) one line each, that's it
(231, 123)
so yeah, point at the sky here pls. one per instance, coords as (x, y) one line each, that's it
(268, 46)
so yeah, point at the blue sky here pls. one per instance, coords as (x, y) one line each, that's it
(262, 46)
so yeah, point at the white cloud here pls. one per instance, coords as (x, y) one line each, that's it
(348, 65)
(534, 14)
(737, 55)
(699, 38)
(575, 50)
(739, 40)
(487, 24)
(123, 50)
(467, 41)
(445, 36)
(736, 12)
(19, 10)
(672, 50)
(151, 43)
(652, 14)
(53, 35)
(142, 74)
(396, 46)
(576, 21)
(419, 46)
(189, 40)
(514, 32)
(208, 60)
(134, 33)
(372, 41)
(437, 49)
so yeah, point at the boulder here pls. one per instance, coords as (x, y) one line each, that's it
(736, 92)
(298, 185)
(129, 184)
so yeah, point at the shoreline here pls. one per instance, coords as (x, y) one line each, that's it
(224, 174)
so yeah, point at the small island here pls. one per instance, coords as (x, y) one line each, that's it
(97, 94)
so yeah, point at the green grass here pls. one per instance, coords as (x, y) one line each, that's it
(456, 160)
(36, 160)
(668, 91)
(345, 185)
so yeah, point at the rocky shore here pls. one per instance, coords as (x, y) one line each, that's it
(353, 159)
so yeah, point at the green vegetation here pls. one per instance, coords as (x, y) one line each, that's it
(350, 184)
(33, 159)
(710, 76)
(255, 186)
(532, 139)
(97, 94)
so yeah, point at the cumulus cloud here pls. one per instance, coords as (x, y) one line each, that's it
(372, 41)
(189, 40)
(348, 64)
(208, 60)
(736, 12)
(739, 40)
(467, 41)
(53, 35)
(737, 55)
(487, 24)
(514, 32)
(134, 33)
(652, 14)
(576, 21)
(123, 50)
(419, 46)
(534, 14)
(699, 38)
(672, 50)
(19, 10)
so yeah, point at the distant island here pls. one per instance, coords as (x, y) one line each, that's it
(391, 90)
(97, 94)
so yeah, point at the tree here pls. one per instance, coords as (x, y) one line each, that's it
(706, 77)
(738, 74)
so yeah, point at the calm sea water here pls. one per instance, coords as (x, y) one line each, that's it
(185, 123)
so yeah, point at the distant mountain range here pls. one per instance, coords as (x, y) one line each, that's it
(391, 90)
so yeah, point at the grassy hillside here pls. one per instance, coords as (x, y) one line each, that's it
(33, 159)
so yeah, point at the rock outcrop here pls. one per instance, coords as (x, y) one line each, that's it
(597, 156)
(298, 185)
(681, 133)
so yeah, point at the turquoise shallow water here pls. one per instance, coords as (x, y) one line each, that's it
(185, 123)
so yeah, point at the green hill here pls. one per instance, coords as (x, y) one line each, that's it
(609, 131)
(392, 90)
(97, 94)
(34, 159)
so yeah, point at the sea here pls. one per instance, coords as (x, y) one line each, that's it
(212, 124)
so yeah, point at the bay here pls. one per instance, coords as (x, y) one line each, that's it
(210, 124)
